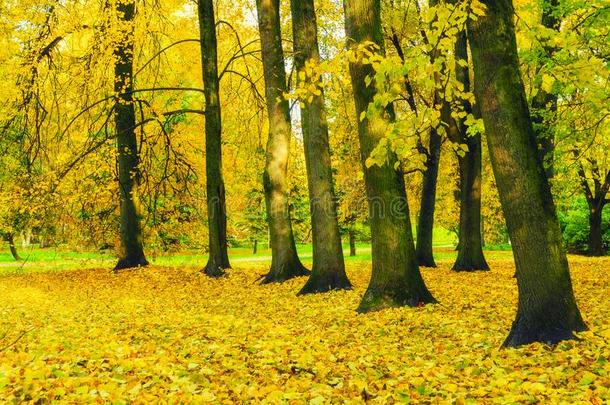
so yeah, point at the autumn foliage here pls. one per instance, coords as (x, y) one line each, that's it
(172, 334)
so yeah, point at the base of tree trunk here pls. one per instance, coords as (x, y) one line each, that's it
(375, 301)
(547, 331)
(214, 268)
(285, 271)
(324, 282)
(426, 260)
(595, 252)
(131, 262)
(470, 264)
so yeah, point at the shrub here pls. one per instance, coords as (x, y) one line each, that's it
(574, 221)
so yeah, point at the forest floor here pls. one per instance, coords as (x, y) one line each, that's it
(171, 333)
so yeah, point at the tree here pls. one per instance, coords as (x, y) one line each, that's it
(328, 270)
(9, 238)
(547, 310)
(596, 197)
(545, 102)
(470, 246)
(395, 279)
(570, 103)
(432, 154)
(425, 220)
(217, 217)
(127, 146)
(285, 263)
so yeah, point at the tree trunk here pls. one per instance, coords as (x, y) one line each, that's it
(26, 238)
(11, 245)
(45, 242)
(328, 270)
(254, 247)
(217, 218)
(352, 243)
(547, 310)
(425, 223)
(470, 247)
(395, 279)
(285, 263)
(595, 242)
(127, 149)
(482, 231)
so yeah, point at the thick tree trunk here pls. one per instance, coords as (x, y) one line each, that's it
(127, 149)
(217, 218)
(285, 263)
(470, 248)
(352, 243)
(328, 270)
(395, 279)
(11, 245)
(425, 222)
(595, 242)
(547, 310)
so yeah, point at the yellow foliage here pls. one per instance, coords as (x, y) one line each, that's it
(175, 335)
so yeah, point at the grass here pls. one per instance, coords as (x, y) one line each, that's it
(59, 259)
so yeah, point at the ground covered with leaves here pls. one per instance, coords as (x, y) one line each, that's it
(174, 334)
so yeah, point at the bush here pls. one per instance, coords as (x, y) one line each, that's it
(574, 221)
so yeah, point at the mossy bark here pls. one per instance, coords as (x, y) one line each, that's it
(395, 278)
(218, 259)
(285, 263)
(127, 148)
(547, 310)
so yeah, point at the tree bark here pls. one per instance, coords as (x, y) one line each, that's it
(547, 310)
(11, 245)
(218, 259)
(470, 247)
(285, 263)
(352, 243)
(425, 222)
(395, 278)
(328, 270)
(595, 243)
(254, 247)
(127, 149)
(596, 201)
